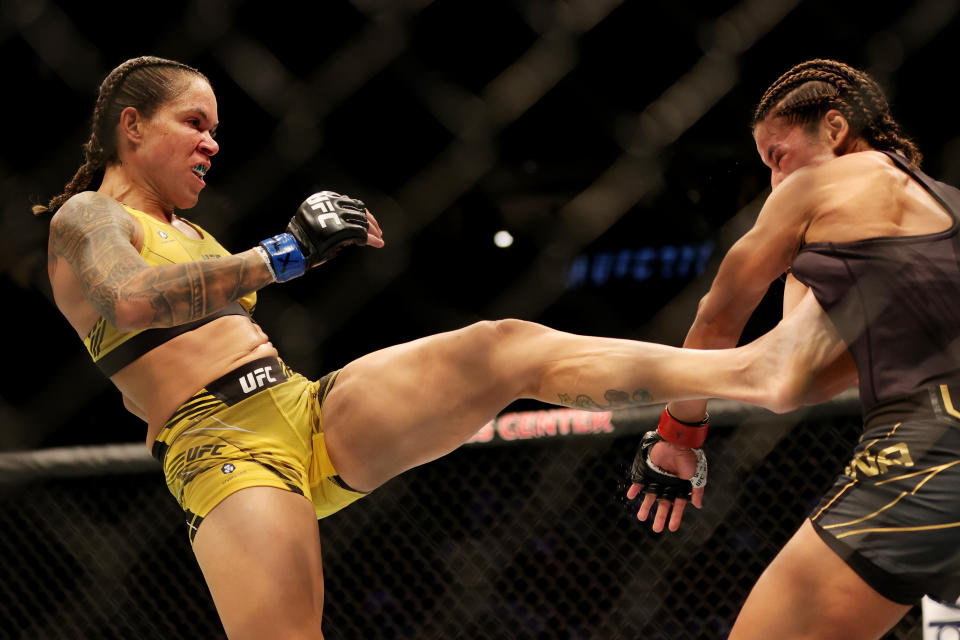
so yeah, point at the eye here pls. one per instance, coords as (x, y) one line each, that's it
(772, 158)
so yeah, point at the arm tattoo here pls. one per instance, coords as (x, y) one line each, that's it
(198, 301)
(179, 293)
(614, 398)
(93, 233)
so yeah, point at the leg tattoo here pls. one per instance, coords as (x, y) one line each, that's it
(614, 399)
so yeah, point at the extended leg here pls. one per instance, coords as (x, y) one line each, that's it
(411, 403)
(408, 404)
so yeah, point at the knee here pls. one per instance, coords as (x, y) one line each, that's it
(506, 333)
(508, 349)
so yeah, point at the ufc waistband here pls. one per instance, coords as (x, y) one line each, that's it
(940, 400)
(243, 382)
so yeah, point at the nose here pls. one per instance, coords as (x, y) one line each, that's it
(208, 145)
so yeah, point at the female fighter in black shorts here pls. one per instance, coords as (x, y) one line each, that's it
(867, 237)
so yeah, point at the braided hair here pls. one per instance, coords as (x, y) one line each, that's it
(805, 93)
(144, 83)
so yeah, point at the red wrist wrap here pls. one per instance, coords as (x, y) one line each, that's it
(682, 434)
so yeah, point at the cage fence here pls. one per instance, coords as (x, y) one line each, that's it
(523, 534)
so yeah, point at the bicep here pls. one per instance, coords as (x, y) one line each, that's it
(93, 234)
(741, 281)
(760, 256)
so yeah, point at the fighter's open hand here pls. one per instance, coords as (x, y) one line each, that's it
(374, 233)
(668, 475)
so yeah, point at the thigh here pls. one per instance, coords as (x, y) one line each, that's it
(809, 592)
(411, 403)
(400, 407)
(259, 551)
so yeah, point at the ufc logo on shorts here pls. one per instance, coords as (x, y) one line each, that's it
(319, 202)
(255, 379)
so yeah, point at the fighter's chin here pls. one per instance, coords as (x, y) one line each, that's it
(188, 201)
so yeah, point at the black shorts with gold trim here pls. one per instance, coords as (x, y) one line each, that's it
(259, 425)
(894, 514)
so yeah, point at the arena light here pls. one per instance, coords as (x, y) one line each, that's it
(503, 239)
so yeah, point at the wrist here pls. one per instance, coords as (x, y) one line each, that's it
(260, 251)
(285, 259)
(682, 434)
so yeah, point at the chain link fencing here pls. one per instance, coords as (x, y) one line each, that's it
(530, 538)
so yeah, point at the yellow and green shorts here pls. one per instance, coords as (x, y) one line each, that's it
(258, 426)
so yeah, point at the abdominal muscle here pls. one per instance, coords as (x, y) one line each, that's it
(161, 380)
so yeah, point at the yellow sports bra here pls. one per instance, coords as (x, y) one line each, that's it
(112, 349)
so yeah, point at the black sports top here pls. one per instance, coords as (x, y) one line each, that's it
(894, 300)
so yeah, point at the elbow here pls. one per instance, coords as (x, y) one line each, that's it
(705, 320)
(132, 315)
(703, 309)
(138, 305)
(714, 327)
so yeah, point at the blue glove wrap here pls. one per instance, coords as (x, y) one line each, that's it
(285, 256)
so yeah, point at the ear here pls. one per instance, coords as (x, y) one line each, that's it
(130, 126)
(836, 128)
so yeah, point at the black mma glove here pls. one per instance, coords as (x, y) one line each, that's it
(324, 224)
(666, 485)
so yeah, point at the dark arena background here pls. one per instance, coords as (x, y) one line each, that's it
(584, 164)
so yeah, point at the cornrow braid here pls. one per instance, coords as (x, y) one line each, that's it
(807, 91)
(144, 83)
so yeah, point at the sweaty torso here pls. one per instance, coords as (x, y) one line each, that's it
(157, 382)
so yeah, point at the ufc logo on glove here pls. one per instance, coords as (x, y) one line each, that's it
(320, 202)
(309, 240)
